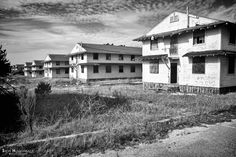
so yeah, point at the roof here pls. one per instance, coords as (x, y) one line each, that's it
(152, 57)
(59, 57)
(184, 30)
(112, 49)
(28, 63)
(37, 62)
(209, 53)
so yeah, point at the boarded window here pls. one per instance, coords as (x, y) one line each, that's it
(66, 71)
(108, 56)
(121, 57)
(132, 68)
(154, 44)
(231, 65)
(57, 71)
(154, 67)
(95, 69)
(121, 69)
(198, 37)
(132, 57)
(198, 66)
(108, 69)
(232, 35)
(95, 56)
(82, 69)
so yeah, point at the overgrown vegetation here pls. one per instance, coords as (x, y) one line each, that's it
(43, 89)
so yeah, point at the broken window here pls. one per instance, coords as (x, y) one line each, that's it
(231, 65)
(198, 37)
(198, 66)
(95, 69)
(154, 67)
(108, 69)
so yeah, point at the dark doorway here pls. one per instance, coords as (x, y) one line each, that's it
(173, 73)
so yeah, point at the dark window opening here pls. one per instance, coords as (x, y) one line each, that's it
(95, 56)
(95, 69)
(57, 63)
(108, 69)
(108, 56)
(198, 66)
(198, 37)
(232, 35)
(132, 57)
(57, 71)
(82, 69)
(154, 44)
(82, 56)
(231, 65)
(121, 57)
(154, 67)
(72, 58)
(66, 62)
(121, 69)
(132, 68)
(72, 69)
(66, 71)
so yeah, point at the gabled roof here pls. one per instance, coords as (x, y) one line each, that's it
(209, 53)
(185, 30)
(59, 57)
(37, 62)
(28, 63)
(113, 49)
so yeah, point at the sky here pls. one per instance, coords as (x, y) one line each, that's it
(31, 29)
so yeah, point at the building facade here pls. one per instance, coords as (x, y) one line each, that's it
(97, 61)
(27, 69)
(195, 53)
(37, 68)
(56, 66)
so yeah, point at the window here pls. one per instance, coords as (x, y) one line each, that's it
(66, 71)
(198, 37)
(66, 62)
(95, 69)
(174, 18)
(82, 56)
(198, 66)
(121, 69)
(232, 35)
(82, 69)
(57, 63)
(108, 69)
(154, 44)
(108, 56)
(154, 67)
(132, 68)
(72, 69)
(132, 57)
(72, 58)
(231, 65)
(95, 56)
(57, 71)
(41, 73)
(40, 67)
(121, 57)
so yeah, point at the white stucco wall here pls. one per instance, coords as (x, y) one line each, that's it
(225, 40)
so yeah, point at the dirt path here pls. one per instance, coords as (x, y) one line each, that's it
(217, 140)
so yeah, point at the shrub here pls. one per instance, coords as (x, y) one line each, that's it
(43, 88)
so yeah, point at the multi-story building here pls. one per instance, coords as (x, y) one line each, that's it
(27, 69)
(195, 53)
(97, 61)
(37, 68)
(56, 66)
(18, 68)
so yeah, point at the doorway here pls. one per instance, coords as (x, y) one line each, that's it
(173, 73)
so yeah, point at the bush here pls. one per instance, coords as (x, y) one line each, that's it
(43, 88)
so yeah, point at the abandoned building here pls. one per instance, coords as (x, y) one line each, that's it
(98, 62)
(195, 54)
(56, 66)
(27, 69)
(37, 68)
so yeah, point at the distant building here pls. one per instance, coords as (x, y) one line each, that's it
(27, 69)
(18, 69)
(97, 61)
(56, 66)
(195, 53)
(37, 68)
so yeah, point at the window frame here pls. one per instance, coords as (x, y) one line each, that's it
(231, 65)
(199, 65)
(95, 56)
(108, 56)
(132, 68)
(132, 57)
(66, 71)
(121, 68)
(82, 56)
(121, 57)
(232, 35)
(197, 35)
(108, 70)
(154, 44)
(58, 71)
(82, 68)
(95, 69)
(154, 67)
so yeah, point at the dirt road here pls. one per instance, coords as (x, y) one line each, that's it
(217, 140)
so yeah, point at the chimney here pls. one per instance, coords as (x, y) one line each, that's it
(187, 10)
